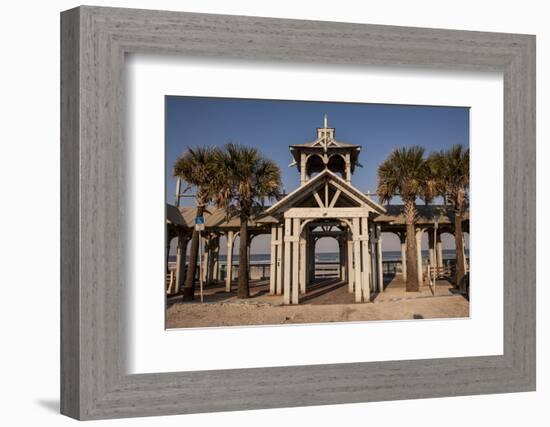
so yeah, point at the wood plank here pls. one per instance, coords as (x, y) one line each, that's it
(335, 198)
(318, 199)
(308, 213)
(288, 261)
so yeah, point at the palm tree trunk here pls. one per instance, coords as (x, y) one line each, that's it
(412, 266)
(243, 288)
(189, 286)
(459, 245)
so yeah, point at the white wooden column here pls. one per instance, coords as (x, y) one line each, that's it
(218, 266)
(357, 259)
(273, 265)
(403, 240)
(229, 261)
(308, 257)
(419, 255)
(365, 256)
(351, 277)
(288, 260)
(342, 258)
(312, 259)
(216, 260)
(439, 248)
(280, 248)
(303, 263)
(211, 265)
(345, 257)
(379, 258)
(180, 262)
(205, 241)
(295, 261)
(431, 244)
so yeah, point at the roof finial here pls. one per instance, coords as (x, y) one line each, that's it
(326, 121)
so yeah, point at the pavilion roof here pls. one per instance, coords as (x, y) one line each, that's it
(426, 214)
(215, 217)
(291, 198)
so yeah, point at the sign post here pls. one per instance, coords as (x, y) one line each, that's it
(199, 227)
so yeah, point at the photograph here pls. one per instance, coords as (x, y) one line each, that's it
(304, 212)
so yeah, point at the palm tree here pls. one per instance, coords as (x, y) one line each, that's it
(433, 182)
(248, 179)
(403, 173)
(454, 175)
(197, 167)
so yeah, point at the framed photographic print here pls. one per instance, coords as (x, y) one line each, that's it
(283, 213)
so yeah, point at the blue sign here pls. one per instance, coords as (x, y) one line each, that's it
(199, 223)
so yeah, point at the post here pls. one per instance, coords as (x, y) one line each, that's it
(295, 260)
(302, 169)
(303, 263)
(273, 271)
(419, 255)
(288, 260)
(357, 259)
(178, 192)
(311, 265)
(180, 262)
(216, 260)
(403, 240)
(350, 262)
(342, 261)
(206, 258)
(346, 257)
(379, 258)
(229, 261)
(168, 240)
(308, 256)
(439, 247)
(279, 280)
(431, 247)
(211, 257)
(365, 258)
(200, 266)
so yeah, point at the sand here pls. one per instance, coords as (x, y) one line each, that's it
(222, 309)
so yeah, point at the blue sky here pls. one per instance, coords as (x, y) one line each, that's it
(273, 125)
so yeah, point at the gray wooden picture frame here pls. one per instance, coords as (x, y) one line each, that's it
(94, 382)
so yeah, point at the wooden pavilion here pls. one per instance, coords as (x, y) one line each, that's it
(325, 204)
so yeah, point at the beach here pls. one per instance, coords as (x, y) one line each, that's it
(334, 305)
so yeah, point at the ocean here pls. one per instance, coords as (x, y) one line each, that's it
(333, 256)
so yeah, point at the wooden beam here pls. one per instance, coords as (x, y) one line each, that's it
(318, 199)
(365, 259)
(349, 262)
(302, 263)
(357, 260)
(280, 249)
(295, 260)
(379, 250)
(307, 213)
(335, 198)
(287, 265)
(273, 270)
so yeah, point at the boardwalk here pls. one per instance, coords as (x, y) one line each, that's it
(326, 300)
